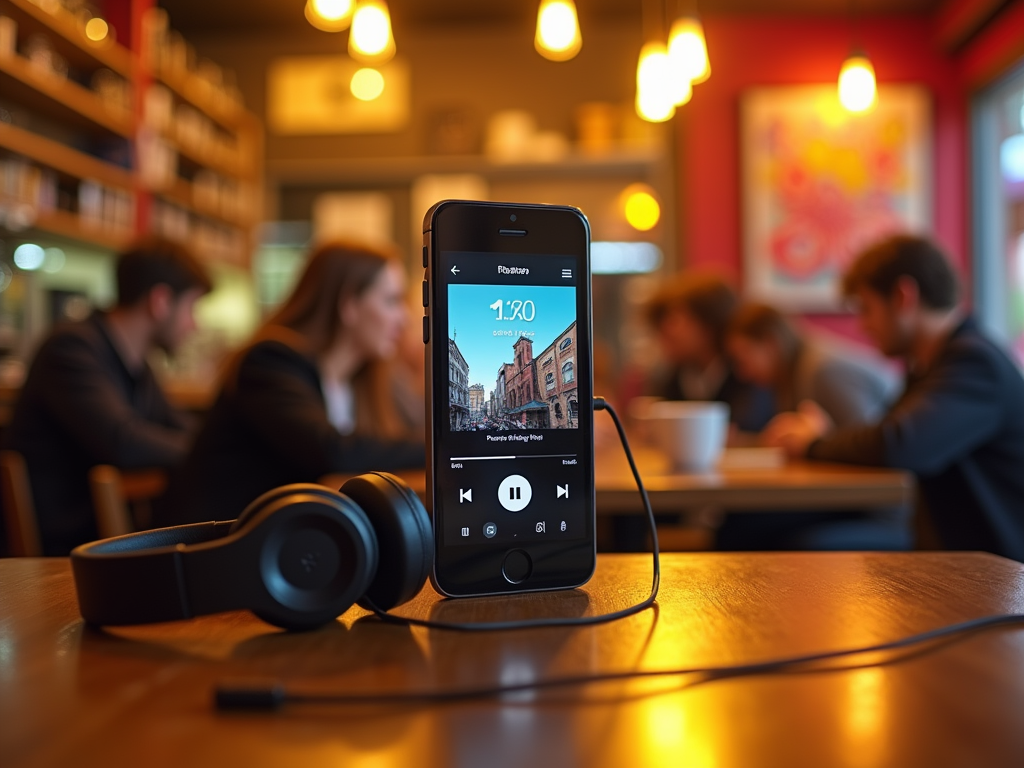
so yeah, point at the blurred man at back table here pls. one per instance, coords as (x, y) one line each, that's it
(91, 398)
(959, 424)
(691, 314)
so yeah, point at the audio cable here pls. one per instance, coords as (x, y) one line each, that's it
(259, 695)
(273, 696)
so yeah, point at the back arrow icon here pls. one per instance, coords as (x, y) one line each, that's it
(455, 270)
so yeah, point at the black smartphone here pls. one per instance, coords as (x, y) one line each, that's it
(510, 417)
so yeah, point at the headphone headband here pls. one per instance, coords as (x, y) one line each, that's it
(144, 577)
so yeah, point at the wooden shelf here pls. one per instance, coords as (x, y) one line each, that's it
(359, 170)
(77, 48)
(190, 88)
(206, 159)
(182, 194)
(69, 226)
(60, 98)
(62, 158)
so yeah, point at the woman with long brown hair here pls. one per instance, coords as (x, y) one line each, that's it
(311, 395)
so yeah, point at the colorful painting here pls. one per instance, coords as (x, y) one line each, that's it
(821, 183)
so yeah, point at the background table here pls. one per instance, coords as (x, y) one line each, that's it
(71, 695)
(792, 486)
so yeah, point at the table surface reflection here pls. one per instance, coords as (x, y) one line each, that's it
(71, 695)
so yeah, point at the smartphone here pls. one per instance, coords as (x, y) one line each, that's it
(510, 417)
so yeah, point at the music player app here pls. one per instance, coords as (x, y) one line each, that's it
(514, 435)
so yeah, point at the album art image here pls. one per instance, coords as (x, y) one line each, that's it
(512, 362)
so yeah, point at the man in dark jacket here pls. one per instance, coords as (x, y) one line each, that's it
(959, 425)
(91, 398)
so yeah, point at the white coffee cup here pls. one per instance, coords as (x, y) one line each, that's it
(692, 434)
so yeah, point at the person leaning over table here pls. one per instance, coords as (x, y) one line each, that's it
(310, 396)
(766, 349)
(851, 389)
(91, 398)
(959, 424)
(691, 314)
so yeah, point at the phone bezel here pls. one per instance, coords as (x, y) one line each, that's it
(453, 225)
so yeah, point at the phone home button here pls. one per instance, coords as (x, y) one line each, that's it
(517, 567)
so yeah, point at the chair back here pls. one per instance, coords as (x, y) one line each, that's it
(19, 509)
(115, 493)
(112, 516)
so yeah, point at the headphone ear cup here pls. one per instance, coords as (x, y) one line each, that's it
(317, 554)
(404, 536)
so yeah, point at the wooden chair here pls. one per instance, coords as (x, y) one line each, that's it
(19, 509)
(114, 493)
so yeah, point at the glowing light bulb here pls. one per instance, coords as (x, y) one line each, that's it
(857, 84)
(370, 39)
(655, 91)
(96, 29)
(640, 207)
(29, 256)
(330, 15)
(367, 84)
(558, 30)
(688, 50)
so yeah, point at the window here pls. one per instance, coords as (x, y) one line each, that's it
(549, 381)
(998, 130)
(565, 343)
(573, 409)
(558, 411)
(549, 361)
(567, 372)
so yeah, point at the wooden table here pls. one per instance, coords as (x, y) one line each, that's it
(70, 695)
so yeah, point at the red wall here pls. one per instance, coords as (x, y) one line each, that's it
(747, 52)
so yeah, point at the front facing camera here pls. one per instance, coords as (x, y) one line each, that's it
(512, 217)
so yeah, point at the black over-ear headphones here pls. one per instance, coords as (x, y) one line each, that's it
(298, 557)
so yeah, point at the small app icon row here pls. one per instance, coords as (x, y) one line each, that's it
(490, 530)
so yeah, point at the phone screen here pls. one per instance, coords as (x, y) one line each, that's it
(513, 471)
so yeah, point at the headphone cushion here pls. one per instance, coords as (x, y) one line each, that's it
(293, 521)
(404, 537)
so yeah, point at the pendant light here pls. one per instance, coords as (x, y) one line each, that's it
(688, 50)
(857, 91)
(558, 30)
(330, 15)
(370, 39)
(655, 91)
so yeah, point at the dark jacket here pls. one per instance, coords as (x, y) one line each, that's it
(750, 407)
(959, 426)
(81, 406)
(268, 428)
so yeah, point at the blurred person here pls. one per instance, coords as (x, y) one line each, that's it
(691, 315)
(959, 424)
(312, 395)
(90, 397)
(766, 349)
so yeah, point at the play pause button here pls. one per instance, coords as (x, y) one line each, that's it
(515, 493)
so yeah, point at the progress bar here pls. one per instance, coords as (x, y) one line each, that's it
(531, 456)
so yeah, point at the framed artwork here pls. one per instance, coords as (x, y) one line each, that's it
(821, 183)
